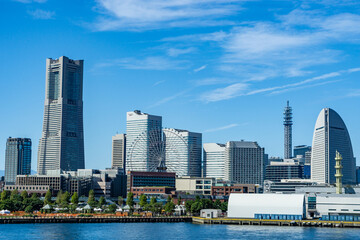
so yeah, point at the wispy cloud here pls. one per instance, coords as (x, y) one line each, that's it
(158, 83)
(221, 128)
(148, 63)
(42, 14)
(354, 93)
(242, 89)
(170, 98)
(174, 52)
(200, 68)
(144, 14)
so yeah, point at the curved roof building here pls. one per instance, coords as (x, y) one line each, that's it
(331, 134)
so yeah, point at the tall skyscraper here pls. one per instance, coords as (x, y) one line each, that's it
(17, 158)
(118, 155)
(143, 138)
(244, 162)
(214, 160)
(301, 150)
(287, 131)
(62, 143)
(183, 150)
(331, 135)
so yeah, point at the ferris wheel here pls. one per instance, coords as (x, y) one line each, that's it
(160, 150)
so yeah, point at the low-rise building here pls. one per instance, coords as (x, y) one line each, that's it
(150, 179)
(152, 191)
(194, 185)
(236, 188)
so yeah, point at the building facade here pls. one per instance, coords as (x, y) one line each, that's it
(236, 188)
(286, 170)
(118, 156)
(143, 140)
(182, 152)
(17, 158)
(301, 150)
(62, 142)
(244, 162)
(150, 179)
(331, 135)
(194, 185)
(214, 160)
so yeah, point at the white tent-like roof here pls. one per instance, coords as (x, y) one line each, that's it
(247, 205)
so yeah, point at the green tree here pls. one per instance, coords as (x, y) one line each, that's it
(143, 200)
(156, 207)
(179, 200)
(188, 205)
(29, 209)
(5, 195)
(75, 198)
(48, 196)
(169, 199)
(224, 206)
(58, 197)
(65, 197)
(112, 208)
(130, 200)
(196, 207)
(153, 200)
(91, 196)
(169, 207)
(120, 201)
(7, 204)
(24, 194)
(102, 201)
(34, 196)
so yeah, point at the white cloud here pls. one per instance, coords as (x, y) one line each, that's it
(234, 90)
(354, 93)
(200, 68)
(174, 52)
(148, 63)
(170, 98)
(41, 14)
(145, 14)
(221, 128)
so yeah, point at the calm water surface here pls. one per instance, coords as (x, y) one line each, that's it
(144, 231)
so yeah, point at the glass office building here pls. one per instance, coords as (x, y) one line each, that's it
(17, 158)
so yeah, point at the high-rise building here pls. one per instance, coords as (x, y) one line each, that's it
(301, 150)
(118, 155)
(331, 135)
(62, 142)
(17, 158)
(143, 140)
(287, 131)
(182, 152)
(244, 162)
(214, 160)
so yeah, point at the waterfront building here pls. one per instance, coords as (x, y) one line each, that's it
(17, 158)
(143, 141)
(108, 182)
(287, 131)
(331, 135)
(277, 171)
(357, 175)
(157, 192)
(62, 142)
(182, 152)
(214, 160)
(150, 179)
(118, 156)
(227, 189)
(194, 185)
(244, 162)
(286, 185)
(267, 206)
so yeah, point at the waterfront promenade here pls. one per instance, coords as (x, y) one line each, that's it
(90, 219)
(273, 222)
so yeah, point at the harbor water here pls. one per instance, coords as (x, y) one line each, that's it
(143, 231)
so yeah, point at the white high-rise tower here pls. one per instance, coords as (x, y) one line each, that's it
(331, 135)
(62, 142)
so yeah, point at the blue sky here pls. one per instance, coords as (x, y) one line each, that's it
(221, 67)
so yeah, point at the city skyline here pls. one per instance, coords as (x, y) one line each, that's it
(193, 76)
